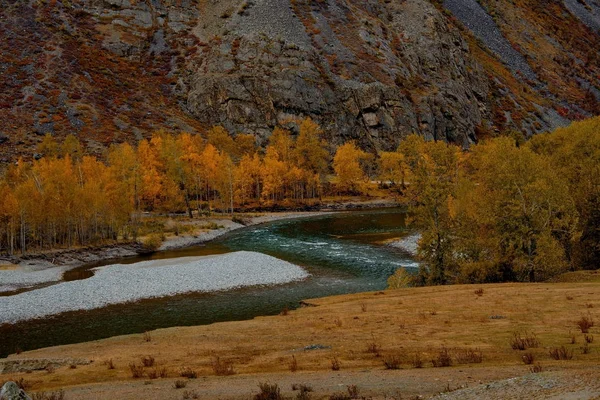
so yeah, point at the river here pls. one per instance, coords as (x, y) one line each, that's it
(344, 253)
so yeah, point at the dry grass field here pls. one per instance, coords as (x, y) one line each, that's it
(394, 344)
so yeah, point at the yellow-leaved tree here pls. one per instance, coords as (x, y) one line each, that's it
(348, 170)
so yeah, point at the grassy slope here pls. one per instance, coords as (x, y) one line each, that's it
(401, 322)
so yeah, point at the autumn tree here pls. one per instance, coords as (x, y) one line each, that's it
(347, 166)
(574, 154)
(434, 172)
(311, 149)
(513, 212)
(393, 168)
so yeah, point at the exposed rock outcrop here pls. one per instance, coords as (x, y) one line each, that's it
(11, 391)
(369, 71)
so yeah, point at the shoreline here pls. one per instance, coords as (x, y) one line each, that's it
(32, 271)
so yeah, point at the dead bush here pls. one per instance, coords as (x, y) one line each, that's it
(479, 292)
(585, 349)
(189, 373)
(335, 364)
(137, 371)
(352, 393)
(222, 368)
(293, 365)
(179, 384)
(561, 353)
(373, 347)
(417, 361)
(59, 395)
(148, 361)
(190, 394)
(528, 358)
(527, 341)
(443, 359)
(585, 323)
(469, 356)
(268, 392)
(588, 338)
(304, 391)
(391, 362)
(537, 368)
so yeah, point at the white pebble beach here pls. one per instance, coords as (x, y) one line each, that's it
(115, 284)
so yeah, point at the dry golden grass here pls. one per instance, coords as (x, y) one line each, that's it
(403, 324)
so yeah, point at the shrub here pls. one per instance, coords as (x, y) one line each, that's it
(400, 279)
(188, 373)
(585, 349)
(241, 221)
(479, 292)
(268, 392)
(469, 356)
(148, 361)
(222, 368)
(137, 371)
(443, 359)
(301, 387)
(525, 342)
(158, 373)
(537, 368)
(561, 353)
(528, 358)
(585, 323)
(304, 391)
(352, 394)
(293, 365)
(59, 395)
(373, 347)
(335, 364)
(152, 242)
(190, 395)
(391, 362)
(180, 384)
(588, 338)
(417, 361)
(352, 391)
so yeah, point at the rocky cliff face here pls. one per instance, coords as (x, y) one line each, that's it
(371, 71)
(367, 72)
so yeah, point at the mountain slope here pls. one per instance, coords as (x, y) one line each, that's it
(371, 71)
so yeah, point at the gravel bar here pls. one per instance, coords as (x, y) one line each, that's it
(409, 244)
(119, 283)
(27, 277)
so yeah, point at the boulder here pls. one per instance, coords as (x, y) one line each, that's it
(11, 391)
